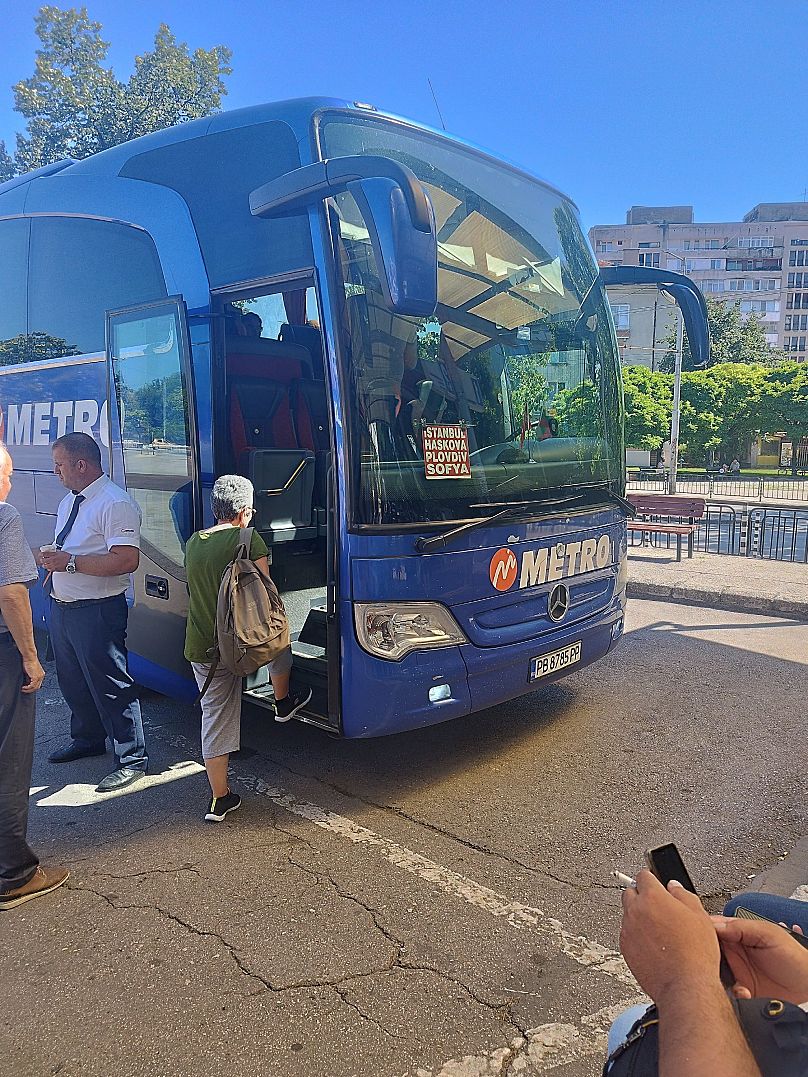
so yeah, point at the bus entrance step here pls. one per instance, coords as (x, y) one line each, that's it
(315, 628)
(315, 712)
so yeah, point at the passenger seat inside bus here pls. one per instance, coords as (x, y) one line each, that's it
(279, 433)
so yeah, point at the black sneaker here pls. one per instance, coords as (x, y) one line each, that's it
(221, 806)
(287, 708)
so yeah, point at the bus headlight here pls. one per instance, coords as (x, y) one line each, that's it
(393, 629)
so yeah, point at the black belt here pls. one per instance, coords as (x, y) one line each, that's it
(79, 602)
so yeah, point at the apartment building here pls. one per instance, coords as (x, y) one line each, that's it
(759, 263)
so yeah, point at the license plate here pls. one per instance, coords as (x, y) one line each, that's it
(556, 660)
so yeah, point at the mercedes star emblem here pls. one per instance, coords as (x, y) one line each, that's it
(559, 603)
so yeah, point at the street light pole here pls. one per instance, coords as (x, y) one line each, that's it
(677, 395)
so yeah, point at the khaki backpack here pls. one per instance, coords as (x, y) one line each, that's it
(251, 625)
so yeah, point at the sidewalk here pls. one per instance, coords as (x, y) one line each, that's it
(722, 581)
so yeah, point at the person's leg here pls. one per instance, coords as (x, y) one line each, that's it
(86, 728)
(217, 775)
(18, 861)
(99, 638)
(280, 683)
(221, 723)
(622, 1025)
(287, 704)
(781, 910)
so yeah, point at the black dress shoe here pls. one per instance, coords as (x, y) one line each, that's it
(119, 779)
(73, 751)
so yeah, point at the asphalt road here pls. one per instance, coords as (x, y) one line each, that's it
(429, 905)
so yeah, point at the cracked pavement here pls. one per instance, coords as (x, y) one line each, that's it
(437, 904)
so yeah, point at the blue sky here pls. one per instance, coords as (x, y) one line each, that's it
(616, 102)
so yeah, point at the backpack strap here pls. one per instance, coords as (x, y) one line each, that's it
(211, 674)
(244, 541)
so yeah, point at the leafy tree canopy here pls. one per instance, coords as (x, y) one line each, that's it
(734, 338)
(723, 408)
(75, 106)
(648, 397)
(784, 403)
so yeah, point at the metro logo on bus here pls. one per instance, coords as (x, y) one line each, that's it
(549, 563)
(503, 569)
(40, 422)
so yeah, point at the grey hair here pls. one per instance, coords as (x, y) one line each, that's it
(230, 494)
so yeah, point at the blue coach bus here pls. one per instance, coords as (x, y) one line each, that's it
(403, 342)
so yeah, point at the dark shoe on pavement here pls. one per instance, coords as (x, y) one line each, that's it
(42, 882)
(75, 751)
(119, 779)
(287, 708)
(220, 806)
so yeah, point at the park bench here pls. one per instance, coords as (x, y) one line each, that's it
(667, 505)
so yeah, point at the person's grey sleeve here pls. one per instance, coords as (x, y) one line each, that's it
(17, 563)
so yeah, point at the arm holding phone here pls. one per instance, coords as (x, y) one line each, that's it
(671, 946)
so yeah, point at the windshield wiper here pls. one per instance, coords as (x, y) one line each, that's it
(544, 507)
(522, 508)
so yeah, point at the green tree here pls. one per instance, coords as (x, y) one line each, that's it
(720, 409)
(528, 385)
(733, 339)
(75, 106)
(783, 404)
(648, 397)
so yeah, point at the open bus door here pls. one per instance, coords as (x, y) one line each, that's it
(154, 456)
(274, 426)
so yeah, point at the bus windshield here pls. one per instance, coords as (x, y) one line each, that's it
(512, 389)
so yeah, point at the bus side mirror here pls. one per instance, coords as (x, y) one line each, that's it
(682, 291)
(396, 211)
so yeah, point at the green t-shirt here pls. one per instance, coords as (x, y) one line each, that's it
(207, 554)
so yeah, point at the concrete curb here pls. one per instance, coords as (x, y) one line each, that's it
(722, 600)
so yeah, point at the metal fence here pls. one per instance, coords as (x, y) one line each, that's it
(749, 489)
(776, 534)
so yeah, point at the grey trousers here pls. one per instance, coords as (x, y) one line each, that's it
(18, 861)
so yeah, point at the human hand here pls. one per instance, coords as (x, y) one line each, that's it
(667, 938)
(34, 672)
(55, 560)
(765, 960)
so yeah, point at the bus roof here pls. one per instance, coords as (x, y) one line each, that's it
(296, 113)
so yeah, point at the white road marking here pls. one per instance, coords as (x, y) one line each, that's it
(578, 947)
(547, 1046)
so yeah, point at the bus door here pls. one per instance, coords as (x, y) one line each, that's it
(153, 453)
(274, 427)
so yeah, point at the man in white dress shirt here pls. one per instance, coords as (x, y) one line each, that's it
(97, 546)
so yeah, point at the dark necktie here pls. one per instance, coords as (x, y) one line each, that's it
(68, 527)
(47, 583)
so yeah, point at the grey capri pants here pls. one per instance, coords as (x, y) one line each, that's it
(221, 705)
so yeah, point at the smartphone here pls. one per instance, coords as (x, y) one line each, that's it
(665, 862)
(747, 914)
